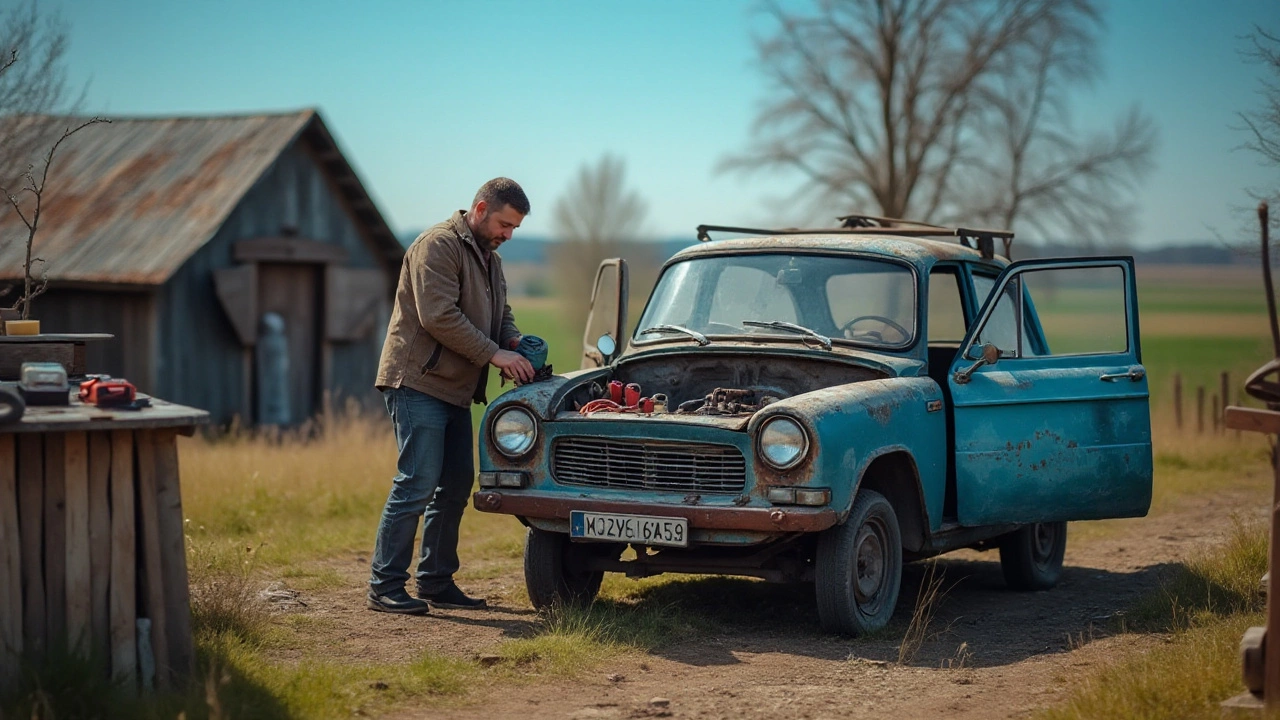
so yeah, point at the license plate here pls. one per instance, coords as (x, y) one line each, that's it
(644, 529)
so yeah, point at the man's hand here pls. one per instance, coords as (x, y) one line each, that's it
(513, 365)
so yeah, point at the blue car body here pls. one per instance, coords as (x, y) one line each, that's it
(967, 451)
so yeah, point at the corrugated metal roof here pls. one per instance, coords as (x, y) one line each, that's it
(129, 202)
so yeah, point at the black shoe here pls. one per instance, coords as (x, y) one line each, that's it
(453, 599)
(397, 601)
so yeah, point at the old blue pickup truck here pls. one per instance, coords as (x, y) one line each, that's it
(823, 405)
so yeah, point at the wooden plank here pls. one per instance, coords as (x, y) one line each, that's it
(12, 355)
(10, 562)
(173, 556)
(237, 291)
(55, 540)
(87, 417)
(1252, 420)
(100, 542)
(31, 504)
(124, 649)
(79, 584)
(287, 250)
(351, 302)
(153, 605)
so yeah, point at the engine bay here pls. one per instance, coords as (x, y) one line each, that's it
(721, 384)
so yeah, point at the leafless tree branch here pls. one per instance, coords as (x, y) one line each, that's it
(598, 217)
(943, 110)
(33, 288)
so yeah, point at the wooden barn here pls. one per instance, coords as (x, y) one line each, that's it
(238, 260)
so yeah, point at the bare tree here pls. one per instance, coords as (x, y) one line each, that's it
(33, 87)
(31, 287)
(598, 217)
(1262, 125)
(32, 92)
(944, 110)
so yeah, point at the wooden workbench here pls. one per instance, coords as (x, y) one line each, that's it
(91, 540)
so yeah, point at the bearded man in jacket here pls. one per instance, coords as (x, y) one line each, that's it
(450, 322)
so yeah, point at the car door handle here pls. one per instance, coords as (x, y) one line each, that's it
(1132, 375)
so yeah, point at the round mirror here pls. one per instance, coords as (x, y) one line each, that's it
(606, 345)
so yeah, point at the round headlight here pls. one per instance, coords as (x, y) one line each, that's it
(514, 431)
(783, 443)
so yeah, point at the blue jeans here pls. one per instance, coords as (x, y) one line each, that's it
(435, 472)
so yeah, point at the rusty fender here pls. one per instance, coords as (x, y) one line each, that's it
(850, 426)
(557, 507)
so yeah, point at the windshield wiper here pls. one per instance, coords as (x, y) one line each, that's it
(780, 325)
(702, 339)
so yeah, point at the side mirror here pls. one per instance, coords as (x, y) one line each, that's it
(988, 354)
(606, 346)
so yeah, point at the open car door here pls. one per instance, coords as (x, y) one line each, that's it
(1052, 420)
(608, 315)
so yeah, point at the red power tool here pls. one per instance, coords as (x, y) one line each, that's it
(107, 391)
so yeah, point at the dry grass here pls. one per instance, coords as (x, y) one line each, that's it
(1205, 606)
(928, 600)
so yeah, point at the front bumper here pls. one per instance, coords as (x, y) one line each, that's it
(556, 507)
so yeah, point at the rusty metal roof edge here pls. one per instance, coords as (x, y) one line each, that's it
(304, 118)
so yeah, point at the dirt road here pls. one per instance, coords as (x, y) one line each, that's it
(993, 653)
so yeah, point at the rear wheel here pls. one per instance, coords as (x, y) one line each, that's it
(1031, 556)
(555, 569)
(859, 568)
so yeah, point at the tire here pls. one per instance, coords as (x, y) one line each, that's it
(1031, 556)
(859, 568)
(554, 570)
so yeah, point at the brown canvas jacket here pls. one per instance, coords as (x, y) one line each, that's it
(450, 316)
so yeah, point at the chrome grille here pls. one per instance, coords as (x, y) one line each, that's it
(648, 465)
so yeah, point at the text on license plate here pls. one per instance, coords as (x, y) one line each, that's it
(645, 529)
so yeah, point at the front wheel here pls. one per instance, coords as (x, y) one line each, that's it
(555, 570)
(859, 568)
(1031, 556)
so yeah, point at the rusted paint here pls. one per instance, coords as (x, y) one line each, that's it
(555, 507)
(129, 202)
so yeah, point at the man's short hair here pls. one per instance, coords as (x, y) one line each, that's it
(501, 192)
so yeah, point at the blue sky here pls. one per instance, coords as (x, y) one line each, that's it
(430, 99)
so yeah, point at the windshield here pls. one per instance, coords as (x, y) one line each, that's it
(857, 300)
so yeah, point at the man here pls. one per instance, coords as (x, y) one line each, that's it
(450, 322)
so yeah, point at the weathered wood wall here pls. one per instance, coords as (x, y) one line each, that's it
(127, 315)
(201, 362)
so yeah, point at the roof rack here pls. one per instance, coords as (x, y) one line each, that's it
(979, 239)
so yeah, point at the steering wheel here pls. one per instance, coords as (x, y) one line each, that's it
(878, 335)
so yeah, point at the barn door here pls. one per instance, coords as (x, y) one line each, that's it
(292, 292)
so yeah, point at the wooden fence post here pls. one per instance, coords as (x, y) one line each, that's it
(1199, 409)
(1217, 413)
(1177, 400)
(1225, 380)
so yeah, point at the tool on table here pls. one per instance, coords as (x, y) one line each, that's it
(44, 383)
(106, 391)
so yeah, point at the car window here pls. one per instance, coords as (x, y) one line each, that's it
(1001, 326)
(1059, 311)
(1081, 310)
(743, 292)
(862, 300)
(946, 306)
